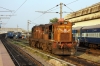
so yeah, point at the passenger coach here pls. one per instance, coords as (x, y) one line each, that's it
(88, 36)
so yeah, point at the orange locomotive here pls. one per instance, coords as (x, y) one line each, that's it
(55, 38)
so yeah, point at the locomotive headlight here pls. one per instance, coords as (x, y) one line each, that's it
(65, 22)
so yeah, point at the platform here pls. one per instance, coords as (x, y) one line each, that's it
(5, 59)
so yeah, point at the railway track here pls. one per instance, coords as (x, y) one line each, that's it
(81, 49)
(91, 51)
(19, 57)
(79, 61)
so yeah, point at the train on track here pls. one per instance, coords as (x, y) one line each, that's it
(55, 38)
(87, 36)
(17, 35)
(13, 35)
(10, 34)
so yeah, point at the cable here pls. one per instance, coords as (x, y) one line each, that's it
(52, 8)
(71, 2)
(20, 6)
(46, 11)
(55, 9)
(6, 9)
(68, 8)
(18, 9)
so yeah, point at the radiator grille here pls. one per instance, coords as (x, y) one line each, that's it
(65, 37)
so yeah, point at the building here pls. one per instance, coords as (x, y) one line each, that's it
(85, 17)
(5, 30)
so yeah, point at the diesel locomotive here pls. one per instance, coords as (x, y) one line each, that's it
(55, 38)
(10, 34)
(17, 35)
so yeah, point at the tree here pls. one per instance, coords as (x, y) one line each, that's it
(53, 20)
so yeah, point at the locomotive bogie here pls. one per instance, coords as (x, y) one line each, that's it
(54, 47)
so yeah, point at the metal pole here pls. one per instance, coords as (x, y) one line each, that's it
(61, 10)
(28, 28)
(0, 25)
(17, 28)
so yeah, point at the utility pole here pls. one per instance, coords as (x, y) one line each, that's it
(54, 12)
(1, 27)
(61, 10)
(1, 23)
(28, 28)
(17, 28)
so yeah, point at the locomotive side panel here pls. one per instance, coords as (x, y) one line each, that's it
(39, 32)
(46, 32)
(45, 36)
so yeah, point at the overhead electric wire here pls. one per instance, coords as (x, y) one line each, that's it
(71, 2)
(39, 16)
(2, 15)
(45, 12)
(20, 6)
(53, 7)
(69, 8)
(18, 9)
(56, 6)
(6, 9)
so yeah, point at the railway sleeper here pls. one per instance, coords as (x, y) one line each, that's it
(93, 51)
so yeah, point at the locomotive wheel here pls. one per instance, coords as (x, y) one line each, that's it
(49, 47)
(73, 51)
(44, 47)
(36, 44)
(33, 44)
(90, 45)
(40, 45)
(95, 46)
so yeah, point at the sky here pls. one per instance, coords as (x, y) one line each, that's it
(22, 11)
